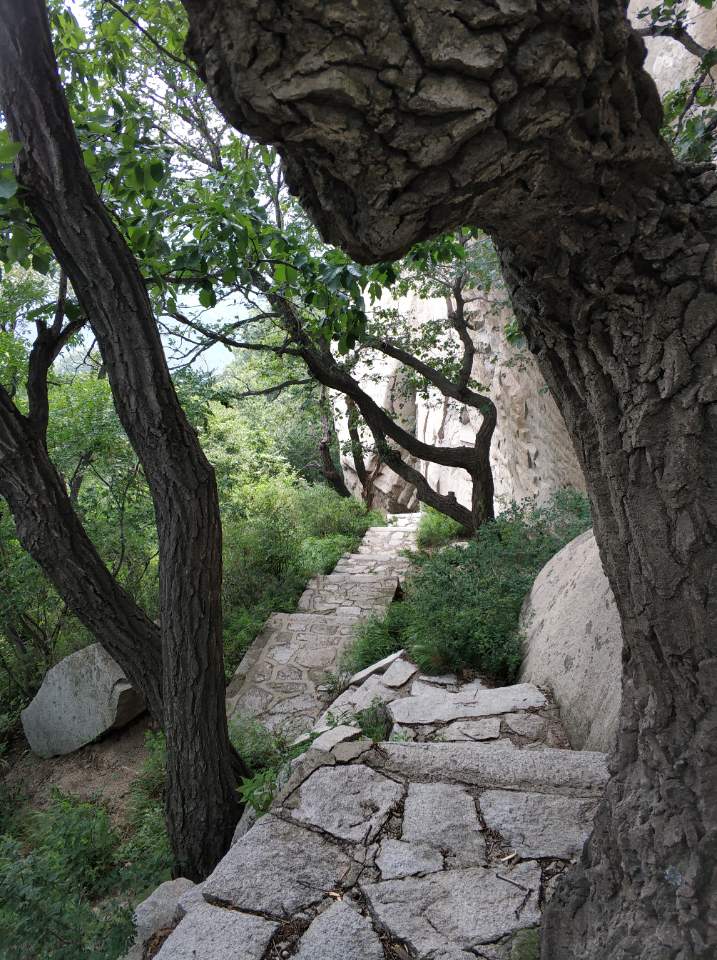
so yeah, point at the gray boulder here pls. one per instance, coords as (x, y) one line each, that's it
(573, 643)
(157, 912)
(81, 697)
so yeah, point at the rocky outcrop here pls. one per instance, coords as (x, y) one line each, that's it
(668, 61)
(81, 697)
(573, 643)
(157, 913)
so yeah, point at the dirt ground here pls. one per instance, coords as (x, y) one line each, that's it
(102, 770)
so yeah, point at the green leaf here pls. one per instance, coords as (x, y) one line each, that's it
(8, 188)
(156, 171)
(206, 297)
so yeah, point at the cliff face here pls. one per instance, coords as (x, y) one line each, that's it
(531, 452)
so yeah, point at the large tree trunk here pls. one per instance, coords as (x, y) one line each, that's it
(537, 122)
(202, 806)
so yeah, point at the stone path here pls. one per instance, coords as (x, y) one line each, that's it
(279, 680)
(443, 842)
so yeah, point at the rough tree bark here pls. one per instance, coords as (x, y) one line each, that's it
(202, 804)
(536, 121)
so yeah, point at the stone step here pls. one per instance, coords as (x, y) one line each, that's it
(278, 678)
(354, 594)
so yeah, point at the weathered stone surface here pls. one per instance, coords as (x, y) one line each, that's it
(277, 868)
(340, 933)
(573, 643)
(398, 858)
(399, 673)
(487, 729)
(536, 825)
(81, 697)
(526, 725)
(189, 901)
(347, 705)
(379, 667)
(330, 738)
(350, 802)
(211, 933)
(444, 816)
(459, 909)
(566, 772)
(157, 912)
(440, 707)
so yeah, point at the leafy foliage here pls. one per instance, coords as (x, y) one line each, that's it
(462, 605)
(266, 753)
(59, 877)
(436, 529)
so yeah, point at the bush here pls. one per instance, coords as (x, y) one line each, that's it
(462, 605)
(436, 529)
(51, 875)
(265, 752)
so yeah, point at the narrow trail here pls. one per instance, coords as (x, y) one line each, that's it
(442, 843)
(279, 678)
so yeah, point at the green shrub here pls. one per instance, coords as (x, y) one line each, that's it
(51, 875)
(265, 752)
(145, 853)
(321, 554)
(462, 605)
(436, 529)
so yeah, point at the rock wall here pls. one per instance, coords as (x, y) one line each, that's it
(667, 60)
(531, 452)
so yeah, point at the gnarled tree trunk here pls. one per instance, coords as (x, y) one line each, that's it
(537, 122)
(202, 805)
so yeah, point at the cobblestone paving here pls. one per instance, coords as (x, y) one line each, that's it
(279, 679)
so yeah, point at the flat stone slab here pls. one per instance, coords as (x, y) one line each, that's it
(399, 673)
(379, 667)
(345, 707)
(277, 868)
(398, 858)
(526, 725)
(535, 825)
(157, 912)
(440, 707)
(457, 909)
(330, 738)
(564, 772)
(488, 729)
(81, 697)
(444, 816)
(211, 933)
(350, 802)
(340, 933)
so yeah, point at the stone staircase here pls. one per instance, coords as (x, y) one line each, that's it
(443, 842)
(279, 679)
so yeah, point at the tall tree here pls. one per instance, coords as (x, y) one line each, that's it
(537, 122)
(202, 805)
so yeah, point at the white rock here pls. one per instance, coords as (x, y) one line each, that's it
(444, 816)
(340, 933)
(157, 912)
(536, 825)
(335, 735)
(379, 667)
(573, 643)
(438, 708)
(211, 933)
(81, 697)
(350, 802)
(399, 673)
(457, 909)
(398, 858)
(487, 729)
